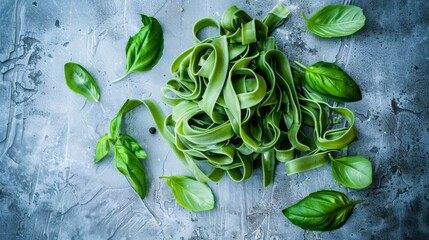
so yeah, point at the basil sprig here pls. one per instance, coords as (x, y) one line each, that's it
(127, 151)
(336, 21)
(144, 49)
(324, 210)
(190, 193)
(79, 80)
(331, 81)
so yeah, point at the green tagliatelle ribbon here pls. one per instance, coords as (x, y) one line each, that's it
(237, 105)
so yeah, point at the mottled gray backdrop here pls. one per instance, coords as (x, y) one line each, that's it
(51, 189)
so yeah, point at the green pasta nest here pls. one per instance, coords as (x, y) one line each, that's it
(238, 105)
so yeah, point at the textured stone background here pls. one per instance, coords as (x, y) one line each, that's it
(50, 189)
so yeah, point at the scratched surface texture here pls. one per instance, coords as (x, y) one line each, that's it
(51, 189)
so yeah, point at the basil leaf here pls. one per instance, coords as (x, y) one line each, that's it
(331, 81)
(336, 21)
(128, 164)
(191, 194)
(80, 81)
(102, 148)
(352, 171)
(324, 210)
(126, 149)
(132, 145)
(144, 49)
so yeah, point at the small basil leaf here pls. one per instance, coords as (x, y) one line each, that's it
(352, 171)
(128, 164)
(336, 21)
(321, 211)
(132, 145)
(191, 194)
(144, 49)
(102, 148)
(331, 81)
(79, 80)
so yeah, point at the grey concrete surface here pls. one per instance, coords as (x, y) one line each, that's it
(51, 189)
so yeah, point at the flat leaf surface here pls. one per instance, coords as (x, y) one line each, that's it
(324, 210)
(131, 144)
(79, 80)
(331, 81)
(102, 148)
(352, 171)
(336, 21)
(128, 164)
(190, 193)
(144, 49)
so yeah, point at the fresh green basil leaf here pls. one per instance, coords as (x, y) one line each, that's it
(324, 210)
(132, 145)
(144, 49)
(128, 164)
(190, 193)
(127, 150)
(336, 21)
(80, 81)
(102, 148)
(331, 81)
(352, 171)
